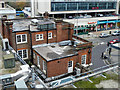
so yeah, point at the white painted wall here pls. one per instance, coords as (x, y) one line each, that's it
(44, 5)
(117, 7)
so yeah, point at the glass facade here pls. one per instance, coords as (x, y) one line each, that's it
(46, 26)
(73, 6)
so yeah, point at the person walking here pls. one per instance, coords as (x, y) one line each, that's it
(102, 55)
(110, 51)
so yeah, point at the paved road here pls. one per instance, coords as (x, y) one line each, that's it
(96, 56)
(100, 40)
(100, 45)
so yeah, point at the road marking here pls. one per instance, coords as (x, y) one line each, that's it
(89, 80)
(115, 72)
(73, 86)
(103, 75)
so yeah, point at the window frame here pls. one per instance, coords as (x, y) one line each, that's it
(22, 53)
(44, 66)
(84, 59)
(21, 37)
(49, 36)
(39, 37)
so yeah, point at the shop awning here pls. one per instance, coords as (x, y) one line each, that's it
(80, 28)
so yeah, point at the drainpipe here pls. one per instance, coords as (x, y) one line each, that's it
(47, 34)
(69, 32)
(31, 44)
(33, 76)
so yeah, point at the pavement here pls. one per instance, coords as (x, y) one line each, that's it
(115, 55)
(96, 34)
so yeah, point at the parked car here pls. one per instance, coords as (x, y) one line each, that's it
(100, 15)
(70, 17)
(81, 16)
(87, 16)
(116, 33)
(114, 41)
(102, 35)
(76, 17)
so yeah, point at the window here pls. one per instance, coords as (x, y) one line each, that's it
(83, 60)
(23, 53)
(22, 38)
(38, 61)
(44, 66)
(49, 35)
(39, 37)
(70, 63)
(34, 55)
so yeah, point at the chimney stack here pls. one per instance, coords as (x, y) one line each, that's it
(46, 15)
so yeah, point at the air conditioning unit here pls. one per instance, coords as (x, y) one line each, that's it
(34, 22)
(77, 70)
(5, 44)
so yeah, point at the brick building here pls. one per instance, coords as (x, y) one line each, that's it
(23, 34)
(49, 44)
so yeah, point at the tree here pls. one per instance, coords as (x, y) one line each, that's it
(21, 4)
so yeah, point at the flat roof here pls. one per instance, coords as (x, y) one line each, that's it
(56, 51)
(23, 24)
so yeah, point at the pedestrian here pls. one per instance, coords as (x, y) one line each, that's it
(110, 32)
(108, 44)
(110, 50)
(102, 55)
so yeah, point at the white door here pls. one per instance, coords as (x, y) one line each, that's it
(70, 66)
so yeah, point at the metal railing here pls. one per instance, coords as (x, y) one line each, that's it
(18, 56)
(85, 75)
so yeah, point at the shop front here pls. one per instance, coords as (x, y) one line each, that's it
(111, 25)
(101, 25)
(80, 30)
(107, 25)
(85, 29)
(92, 26)
(118, 23)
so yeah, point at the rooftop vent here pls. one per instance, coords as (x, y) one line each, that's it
(34, 22)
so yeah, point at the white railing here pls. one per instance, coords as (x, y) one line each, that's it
(84, 75)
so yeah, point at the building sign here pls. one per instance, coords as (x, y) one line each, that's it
(91, 28)
(93, 22)
(104, 26)
(98, 26)
(111, 25)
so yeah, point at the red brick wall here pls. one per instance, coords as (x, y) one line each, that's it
(1, 27)
(85, 52)
(59, 32)
(34, 42)
(54, 68)
(24, 45)
(54, 36)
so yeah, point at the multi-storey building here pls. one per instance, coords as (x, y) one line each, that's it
(49, 44)
(66, 8)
